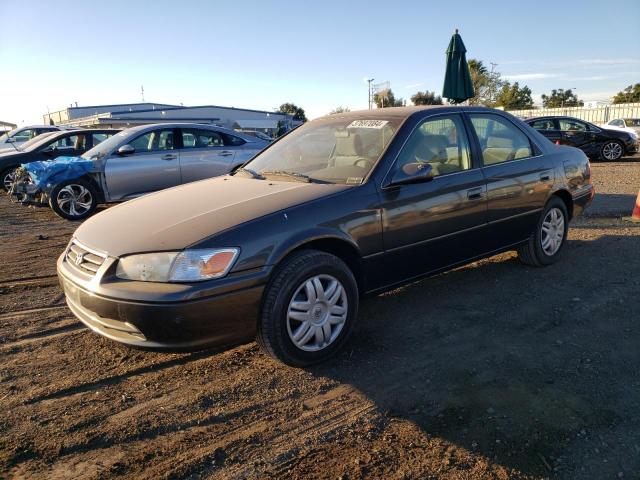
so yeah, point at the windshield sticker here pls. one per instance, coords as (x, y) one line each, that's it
(368, 124)
(354, 180)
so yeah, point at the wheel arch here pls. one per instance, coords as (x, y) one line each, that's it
(566, 197)
(344, 249)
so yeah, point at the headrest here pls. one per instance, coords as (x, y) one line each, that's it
(499, 142)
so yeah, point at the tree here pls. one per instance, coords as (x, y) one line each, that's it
(426, 98)
(512, 97)
(339, 109)
(485, 83)
(628, 95)
(292, 109)
(561, 98)
(386, 98)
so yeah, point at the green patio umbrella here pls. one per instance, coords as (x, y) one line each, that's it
(457, 79)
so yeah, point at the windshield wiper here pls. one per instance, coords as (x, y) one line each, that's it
(283, 173)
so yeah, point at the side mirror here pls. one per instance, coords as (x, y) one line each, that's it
(126, 150)
(413, 173)
(11, 140)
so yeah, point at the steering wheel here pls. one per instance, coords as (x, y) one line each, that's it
(362, 159)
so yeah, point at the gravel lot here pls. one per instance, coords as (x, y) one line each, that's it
(494, 370)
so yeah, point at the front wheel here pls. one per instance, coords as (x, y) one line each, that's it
(309, 309)
(74, 199)
(8, 177)
(545, 244)
(612, 151)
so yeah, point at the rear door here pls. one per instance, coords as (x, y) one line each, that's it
(519, 178)
(153, 166)
(548, 127)
(206, 153)
(577, 134)
(430, 225)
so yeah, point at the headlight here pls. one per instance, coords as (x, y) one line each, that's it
(185, 266)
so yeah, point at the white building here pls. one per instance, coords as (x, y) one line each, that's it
(131, 114)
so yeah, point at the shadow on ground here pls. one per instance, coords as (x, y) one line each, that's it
(535, 369)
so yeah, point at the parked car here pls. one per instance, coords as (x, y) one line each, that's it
(135, 162)
(596, 142)
(629, 125)
(342, 206)
(23, 134)
(48, 146)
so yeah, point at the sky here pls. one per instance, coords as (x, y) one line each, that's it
(316, 54)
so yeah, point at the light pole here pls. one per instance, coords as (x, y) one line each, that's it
(369, 80)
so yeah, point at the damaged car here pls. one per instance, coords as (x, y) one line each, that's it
(132, 163)
(48, 146)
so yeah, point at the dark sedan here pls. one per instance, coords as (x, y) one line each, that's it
(596, 142)
(342, 206)
(49, 146)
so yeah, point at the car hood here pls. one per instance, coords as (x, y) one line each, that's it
(176, 218)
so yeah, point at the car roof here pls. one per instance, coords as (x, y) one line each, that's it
(406, 112)
(150, 126)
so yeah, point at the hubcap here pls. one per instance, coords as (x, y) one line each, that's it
(8, 179)
(612, 151)
(74, 200)
(317, 313)
(552, 231)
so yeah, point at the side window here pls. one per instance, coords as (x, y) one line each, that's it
(544, 124)
(232, 141)
(153, 141)
(617, 123)
(572, 126)
(500, 140)
(99, 137)
(70, 142)
(24, 135)
(192, 138)
(440, 142)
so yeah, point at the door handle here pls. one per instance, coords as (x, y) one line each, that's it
(225, 153)
(475, 193)
(169, 156)
(545, 177)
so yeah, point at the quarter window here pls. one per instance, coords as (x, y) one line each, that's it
(500, 140)
(153, 141)
(440, 142)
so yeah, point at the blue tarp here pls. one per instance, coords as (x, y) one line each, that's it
(47, 174)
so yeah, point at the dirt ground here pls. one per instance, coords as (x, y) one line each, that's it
(494, 370)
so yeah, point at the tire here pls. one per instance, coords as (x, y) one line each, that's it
(612, 151)
(282, 319)
(82, 199)
(6, 176)
(534, 252)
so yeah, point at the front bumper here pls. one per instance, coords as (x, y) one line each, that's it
(226, 315)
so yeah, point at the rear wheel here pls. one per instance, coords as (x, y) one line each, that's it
(612, 151)
(74, 199)
(545, 244)
(309, 309)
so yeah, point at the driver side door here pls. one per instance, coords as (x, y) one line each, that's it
(154, 165)
(431, 225)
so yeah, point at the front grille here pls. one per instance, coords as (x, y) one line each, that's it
(84, 260)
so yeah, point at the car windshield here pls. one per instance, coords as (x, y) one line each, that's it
(632, 122)
(105, 147)
(341, 150)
